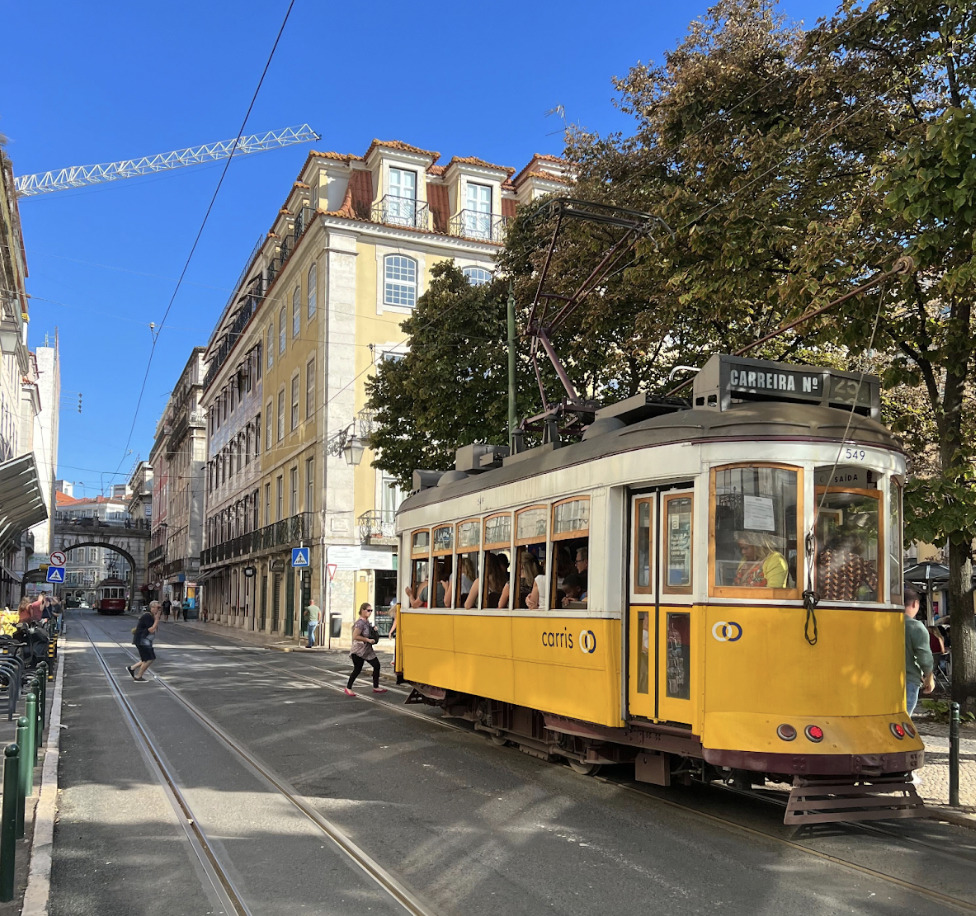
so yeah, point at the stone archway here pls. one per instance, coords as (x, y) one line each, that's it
(107, 544)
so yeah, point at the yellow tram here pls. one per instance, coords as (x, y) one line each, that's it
(707, 591)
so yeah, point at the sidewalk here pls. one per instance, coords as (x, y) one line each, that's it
(934, 787)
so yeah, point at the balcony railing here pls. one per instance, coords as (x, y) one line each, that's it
(487, 227)
(377, 527)
(286, 533)
(401, 211)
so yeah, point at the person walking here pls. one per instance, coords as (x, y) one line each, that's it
(918, 655)
(143, 640)
(167, 604)
(314, 613)
(364, 637)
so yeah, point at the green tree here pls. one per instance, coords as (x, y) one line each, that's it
(451, 387)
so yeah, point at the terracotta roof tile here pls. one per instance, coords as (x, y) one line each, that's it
(439, 204)
(437, 170)
(358, 201)
(339, 157)
(532, 168)
(509, 205)
(474, 160)
(403, 147)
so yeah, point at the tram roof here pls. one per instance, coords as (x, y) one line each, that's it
(748, 421)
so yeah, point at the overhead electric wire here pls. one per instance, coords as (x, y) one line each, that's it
(199, 234)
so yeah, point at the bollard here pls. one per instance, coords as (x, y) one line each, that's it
(8, 823)
(26, 755)
(21, 782)
(35, 689)
(42, 696)
(954, 755)
(32, 731)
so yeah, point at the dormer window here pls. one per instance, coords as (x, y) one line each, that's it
(477, 212)
(402, 203)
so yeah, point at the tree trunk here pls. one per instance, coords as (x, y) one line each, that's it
(962, 628)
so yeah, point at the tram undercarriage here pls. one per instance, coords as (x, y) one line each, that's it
(666, 755)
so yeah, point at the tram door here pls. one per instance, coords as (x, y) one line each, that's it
(659, 624)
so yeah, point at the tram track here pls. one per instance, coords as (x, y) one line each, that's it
(646, 793)
(218, 872)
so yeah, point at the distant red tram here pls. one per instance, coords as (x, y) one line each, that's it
(110, 596)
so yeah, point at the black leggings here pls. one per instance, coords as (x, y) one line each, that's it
(357, 665)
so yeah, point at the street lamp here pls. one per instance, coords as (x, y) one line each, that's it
(349, 442)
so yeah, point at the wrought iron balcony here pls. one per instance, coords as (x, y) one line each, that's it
(378, 527)
(488, 227)
(401, 211)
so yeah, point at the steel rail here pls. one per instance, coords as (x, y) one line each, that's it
(646, 793)
(370, 867)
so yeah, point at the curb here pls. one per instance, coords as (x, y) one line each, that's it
(38, 892)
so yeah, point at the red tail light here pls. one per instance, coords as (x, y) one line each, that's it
(897, 730)
(814, 733)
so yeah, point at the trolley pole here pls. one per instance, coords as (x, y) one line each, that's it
(954, 755)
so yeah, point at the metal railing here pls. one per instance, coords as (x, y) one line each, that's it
(377, 524)
(286, 533)
(470, 224)
(401, 211)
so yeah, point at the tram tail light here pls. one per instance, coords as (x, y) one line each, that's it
(814, 733)
(786, 732)
(897, 730)
(909, 729)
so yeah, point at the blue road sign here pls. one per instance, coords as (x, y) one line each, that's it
(55, 574)
(299, 557)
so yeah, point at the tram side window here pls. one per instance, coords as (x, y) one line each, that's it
(894, 540)
(468, 542)
(755, 527)
(530, 557)
(678, 543)
(494, 588)
(848, 529)
(438, 592)
(570, 562)
(419, 567)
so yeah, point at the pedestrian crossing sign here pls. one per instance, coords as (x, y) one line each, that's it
(55, 574)
(299, 557)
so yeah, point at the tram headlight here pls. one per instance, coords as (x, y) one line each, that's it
(897, 730)
(786, 732)
(814, 733)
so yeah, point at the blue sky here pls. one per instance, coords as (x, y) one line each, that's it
(87, 84)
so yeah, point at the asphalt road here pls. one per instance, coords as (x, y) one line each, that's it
(468, 828)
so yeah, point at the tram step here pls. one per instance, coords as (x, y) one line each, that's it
(822, 802)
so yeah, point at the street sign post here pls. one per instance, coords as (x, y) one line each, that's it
(55, 574)
(299, 557)
(58, 558)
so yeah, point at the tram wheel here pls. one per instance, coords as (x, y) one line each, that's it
(498, 740)
(584, 769)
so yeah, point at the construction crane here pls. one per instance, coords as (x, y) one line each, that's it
(78, 176)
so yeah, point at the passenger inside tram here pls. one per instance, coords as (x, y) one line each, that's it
(494, 582)
(762, 565)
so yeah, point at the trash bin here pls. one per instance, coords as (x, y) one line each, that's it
(335, 625)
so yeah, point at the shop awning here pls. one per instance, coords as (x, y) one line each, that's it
(21, 502)
(210, 573)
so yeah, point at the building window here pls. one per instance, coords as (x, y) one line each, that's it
(281, 414)
(294, 403)
(399, 281)
(309, 484)
(293, 491)
(282, 330)
(280, 495)
(310, 389)
(270, 346)
(267, 504)
(296, 313)
(477, 214)
(269, 426)
(402, 209)
(312, 291)
(477, 276)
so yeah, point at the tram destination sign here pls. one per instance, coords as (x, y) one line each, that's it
(726, 379)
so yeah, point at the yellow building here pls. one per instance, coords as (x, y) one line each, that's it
(318, 305)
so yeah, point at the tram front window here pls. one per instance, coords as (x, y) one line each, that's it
(754, 527)
(847, 544)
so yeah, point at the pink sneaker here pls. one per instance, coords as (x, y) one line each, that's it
(348, 692)
(379, 690)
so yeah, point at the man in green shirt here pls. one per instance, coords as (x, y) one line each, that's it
(314, 613)
(918, 654)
